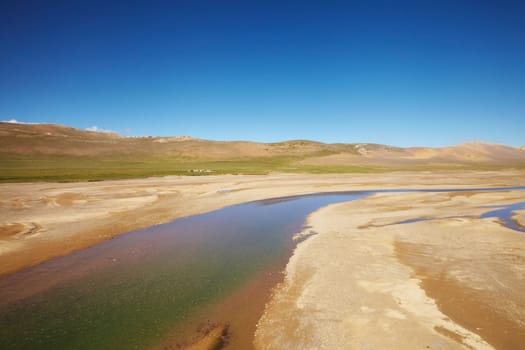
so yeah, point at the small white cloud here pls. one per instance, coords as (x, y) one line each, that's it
(14, 121)
(95, 128)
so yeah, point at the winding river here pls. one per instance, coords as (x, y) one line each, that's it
(164, 281)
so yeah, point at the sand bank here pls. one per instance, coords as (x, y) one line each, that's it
(39, 221)
(364, 281)
(520, 217)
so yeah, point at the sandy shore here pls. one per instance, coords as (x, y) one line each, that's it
(520, 217)
(39, 221)
(365, 281)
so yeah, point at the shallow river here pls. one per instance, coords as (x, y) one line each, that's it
(132, 291)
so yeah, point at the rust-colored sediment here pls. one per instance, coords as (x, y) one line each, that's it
(478, 310)
(213, 339)
(452, 335)
(240, 312)
(9, 230)
(18, 230)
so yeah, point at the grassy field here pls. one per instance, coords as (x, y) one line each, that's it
(74, 169)
(68, 169)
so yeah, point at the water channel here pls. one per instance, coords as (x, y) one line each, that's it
(131, 291)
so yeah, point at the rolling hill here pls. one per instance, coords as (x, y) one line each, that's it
(30, 152)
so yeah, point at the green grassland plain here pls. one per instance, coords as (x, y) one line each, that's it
(67, 168)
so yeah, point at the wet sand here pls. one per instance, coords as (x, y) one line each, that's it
(39, 221)
(519, 217)
(365, 281)
(236, 315)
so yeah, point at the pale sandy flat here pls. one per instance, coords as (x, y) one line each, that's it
(41, 220)
(364, 281)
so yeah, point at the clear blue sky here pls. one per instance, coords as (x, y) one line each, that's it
(422, 72)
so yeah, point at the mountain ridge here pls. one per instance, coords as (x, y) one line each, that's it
(51, 129)
(57, 152)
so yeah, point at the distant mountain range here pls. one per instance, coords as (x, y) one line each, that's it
(40, 140)
(48, 152)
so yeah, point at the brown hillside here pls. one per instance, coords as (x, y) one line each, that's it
(28, 141)
(23, 140)
(466, 153)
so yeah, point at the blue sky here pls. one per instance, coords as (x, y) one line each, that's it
(406, 73)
